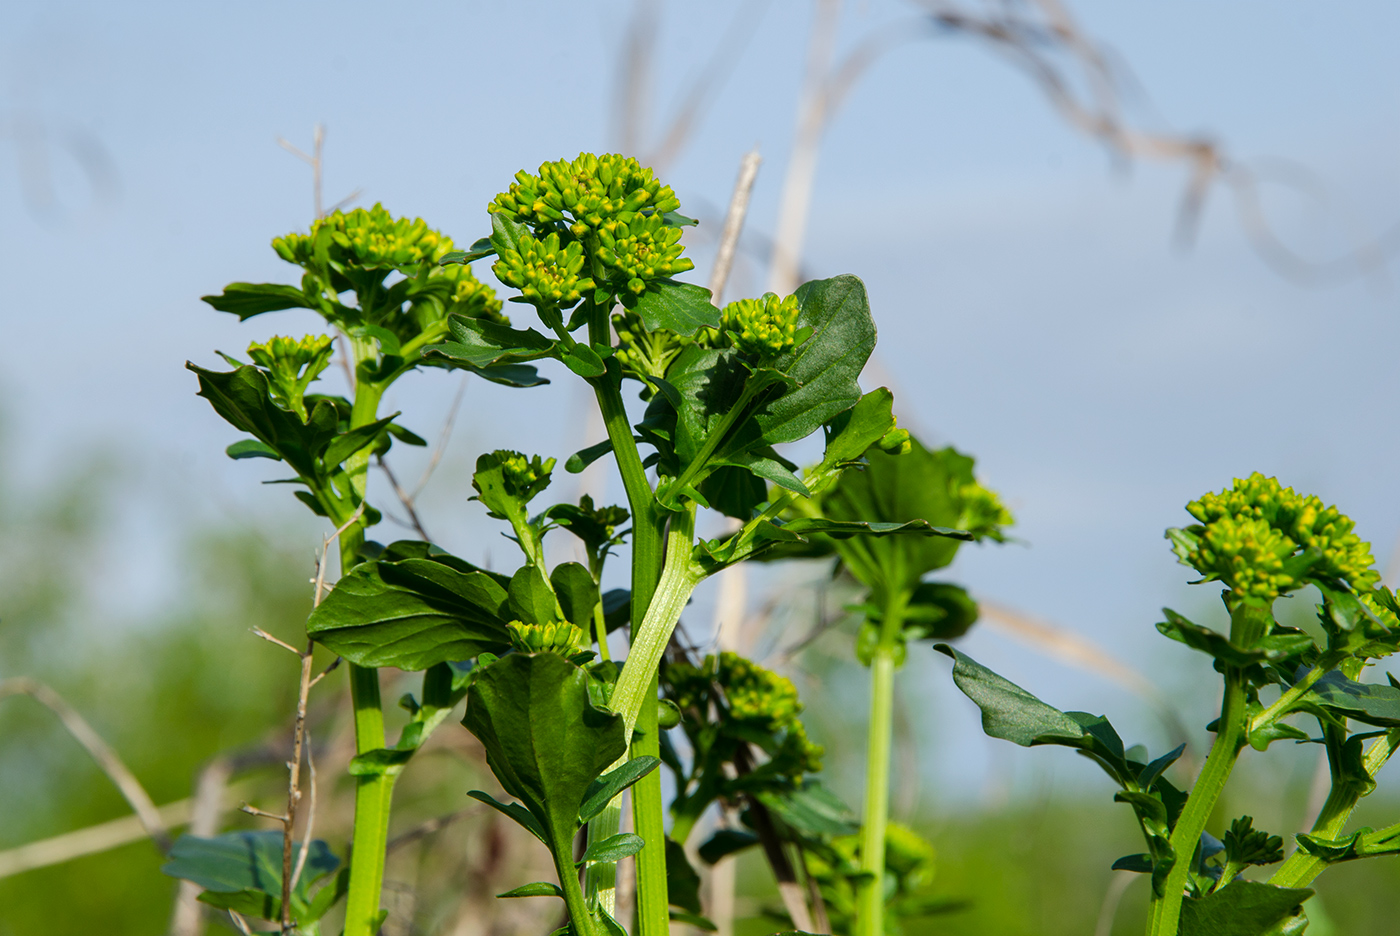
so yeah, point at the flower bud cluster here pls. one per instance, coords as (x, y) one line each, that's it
(470, 296)
(291, 365)
(525, 477)
(764, 327)
(1247, 554)
(589, 189)
(897, 441)
(983, 513)
(368, 238)
(544, 272)
(1296, 522)
(559, 637)
(642, 248)
(763, 698)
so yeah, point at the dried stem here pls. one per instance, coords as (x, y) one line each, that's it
(734, 224)
(100, 751)
(404, 498)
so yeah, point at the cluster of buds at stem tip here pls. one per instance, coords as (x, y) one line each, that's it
(545, 273)
(291, 365)
(642, 249)
(366, 238)
(470, 296)
(591, 190)
(525, 477)
(1248, 531)
(559, 637)
(765, 327)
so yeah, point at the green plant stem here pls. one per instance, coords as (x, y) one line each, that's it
(373, 794)
(1166, 909)
(648, 819)
(1301, 868)
(584, 923)
(600, 879)
(1284, 703)
(880, 731)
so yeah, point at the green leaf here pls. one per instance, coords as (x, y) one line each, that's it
(682, 882)
(512, 375)
(577, 593)
(614, 848)
(584, 361)
(348, 443)
(412, 614)
(850, 435)
(734, 492)
(1280, 647)
(726, 842)
(545, 741)
(514, 811)
(243, 399)
(505, 234)
(1370, 703)
(1242, 908)
(939, 611)
(531, 599)
(246, 300)
(1363, 843)
(827, 365)
(683, 308)
(1013, 714)
(478, 343)
(481, 248)
(601, 791)
(811, 810)
(585, 457)
(692, 919)
(1141, 864)
(537, 889)
(252, 448)
(844, 529)
(1152, 771)
(247, 868)
(380, 762)
(676, 219)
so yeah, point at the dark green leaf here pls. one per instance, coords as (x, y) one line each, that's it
(545, 741)
(827, 365)
(734, 492)
(242, 398)
(1218, 645)
(683, 308)
(531, 599)
(512, 375)
(515, 811)
(939, 611)
(380, 762)
(585, 457)
(577, 593)
(506, 234)
(693, 919)
(479, 343)
(481, 248)
(249, 865)
(411, 614)
(676, 219)
(246, 300)
(584, 361)
(1010, 712)
(252, 448)
(537, 889)
(843, 529)
(1370, 703)
(1142, 864)
(614, 848)
(1152, 771)
(601, 791)
(682, 882)
(811, 810)
(1242, 908)
(726, 842)
(348, 443)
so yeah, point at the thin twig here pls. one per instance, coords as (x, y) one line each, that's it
(734, 224)
(320, 580)
(443, 437)
(252, 810)
(327, 671)
(431, 827)
(258, 631)
(238, 921)
(404, 498)
(310, 808)
(100, 751)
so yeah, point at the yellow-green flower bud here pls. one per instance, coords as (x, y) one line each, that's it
(983, 513)
(589, 189)
(470, 296)
(764, 327)
(1247, 554)
(897, 441)
(545, 273)
(1304, 520)
(525, 477)
(642, 248)
(367, 238)
(291, 365)
(559, 637)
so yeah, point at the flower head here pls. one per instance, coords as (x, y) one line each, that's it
(525, 477)
(642, 248)
(765, 327)
(470, 296)
(366, 238)
(544, 272)
(589, 189)
(983, 513)
(291, 365)
(559, 637)
(1248, 530)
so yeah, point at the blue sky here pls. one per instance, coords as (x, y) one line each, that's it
(1033, 310)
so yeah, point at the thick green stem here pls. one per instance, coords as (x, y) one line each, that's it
(648, 818)
(1301, 868)
(880, 730)
(1166, 909)
(600, 879)
(373, 794)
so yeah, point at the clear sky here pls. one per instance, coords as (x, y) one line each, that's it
(1033, 310)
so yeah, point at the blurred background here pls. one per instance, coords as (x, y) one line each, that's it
(1119, 253)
